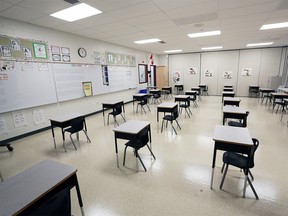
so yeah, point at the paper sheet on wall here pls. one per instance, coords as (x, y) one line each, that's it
(3, 126)
(19, 119)
(39, 117)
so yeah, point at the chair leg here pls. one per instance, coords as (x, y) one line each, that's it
(253, 189)
(73, 142)
(148, 107)
(137, 155)
(187, 112)
(151, 152)
(123, 117)
(124, 158)
(178, 124)
(223, 166)
(88, 139)
(252, 177)
(224, 175)
(190, 110)
(162, 126)
(173, 128)
(108, 120)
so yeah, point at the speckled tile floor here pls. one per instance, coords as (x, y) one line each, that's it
(178, 182)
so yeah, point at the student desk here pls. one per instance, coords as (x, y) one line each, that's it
(254, 89)
(266, 91)
(111, 105)
(228, 86)
(198, 91)
(190, 92)
(179, 88)
(63, 121)
(231, 101)
(139, 97)
(233, 112)
(165, 107)
(130, 130)
(167, 90)
(181, 98)
(27, 191)
(227, 94)
(234, 139)
(277, 95)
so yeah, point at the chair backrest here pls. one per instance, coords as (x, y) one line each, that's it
(254, 148)
(118, 108)
(142, 139)
(77, 124)
(245, 119)
(145, 100)
(175, 113)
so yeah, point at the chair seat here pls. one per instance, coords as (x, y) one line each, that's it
(169, 118)
(235, 159)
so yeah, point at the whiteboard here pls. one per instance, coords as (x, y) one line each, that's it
(27, 85)
(31, 84)
(121, 78)
(69, 78)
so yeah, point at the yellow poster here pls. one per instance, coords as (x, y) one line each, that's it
(87, 87)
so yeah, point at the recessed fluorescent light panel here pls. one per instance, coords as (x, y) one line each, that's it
(274, 26)
(212, 48)
(173, 51)
(259, 44)
(153, 40)
(76, 12)
(204, 34)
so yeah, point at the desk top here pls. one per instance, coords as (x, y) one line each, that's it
(232, 135)
(196, 87)
(279, 94)
(228, 92)
(112, 102)
(166, 87)
(19, 191)
(254, 86)
(231, 99)
(228, 86)
(66, 117)
(167, 105)
(233, 109)
(155, 90)
(202, 85)
(140, 95)
(266, 89)
(181, 96)
(132, 126)
(190, 92)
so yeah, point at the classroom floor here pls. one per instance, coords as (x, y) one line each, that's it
(178, 182)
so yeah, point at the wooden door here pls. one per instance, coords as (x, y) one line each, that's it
(162, 76)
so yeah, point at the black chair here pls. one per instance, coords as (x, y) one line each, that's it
(142, 103)
(193, 98)
(8, 145)
(77, 125)
(117, 110)
(280, 103)
(172, 117)
(138, 143)
(242, 123)
(242, 162)
(186, 106)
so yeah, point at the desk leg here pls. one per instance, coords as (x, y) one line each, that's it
(53, 135)
(223, 119)
(116, 149)
(78, 194)
(103, 115)
(213, 166)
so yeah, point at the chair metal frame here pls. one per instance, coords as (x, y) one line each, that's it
(172, 117)
(117, 110)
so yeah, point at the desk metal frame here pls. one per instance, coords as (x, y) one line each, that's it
(231, 101)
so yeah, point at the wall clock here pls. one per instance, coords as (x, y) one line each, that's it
(82, 52)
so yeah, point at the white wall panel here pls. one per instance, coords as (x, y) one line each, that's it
(248, 59)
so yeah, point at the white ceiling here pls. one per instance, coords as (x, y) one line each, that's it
(124, 21)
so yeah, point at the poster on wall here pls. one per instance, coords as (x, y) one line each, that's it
(176, 76)
(192, 71)
(40, 51)
(5, 51)
(227, 75)
(87, 88)
(208, 73)
(246, 72)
